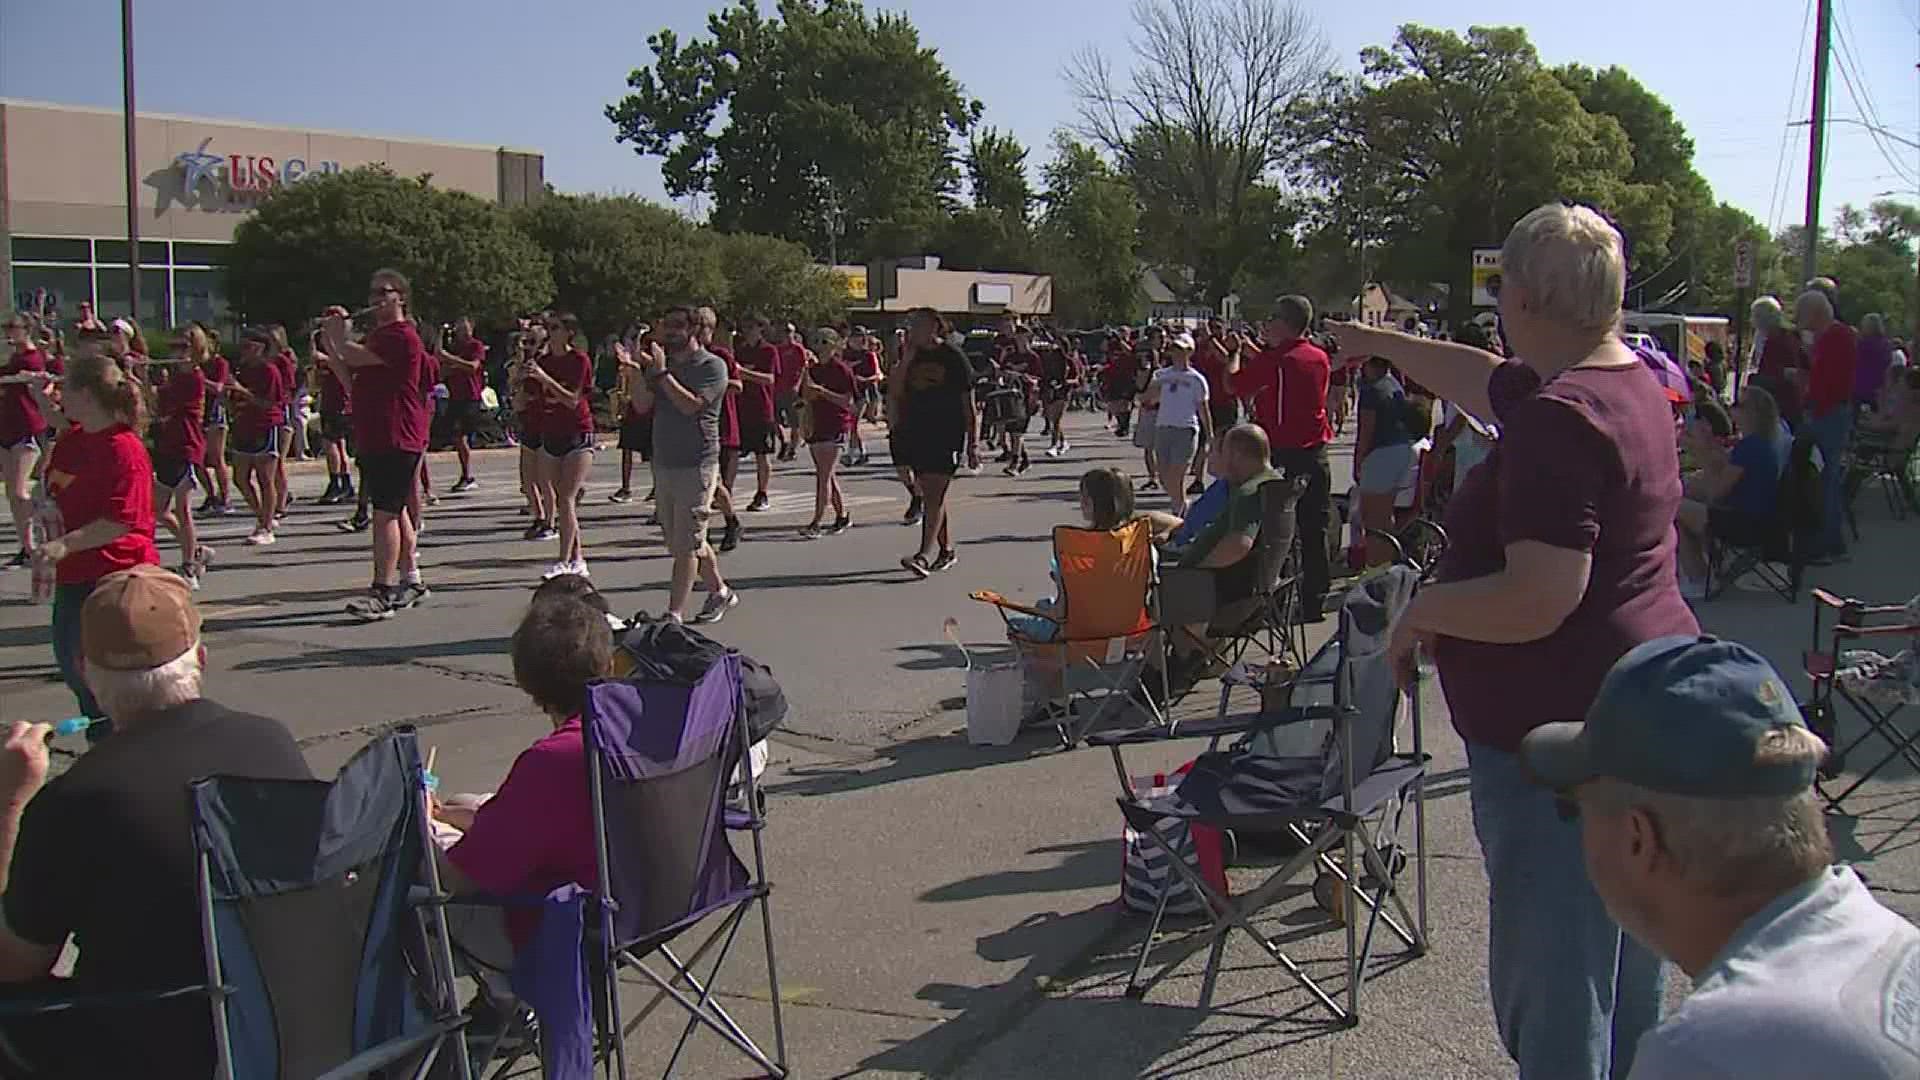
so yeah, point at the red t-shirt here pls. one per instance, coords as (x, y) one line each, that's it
(19, 414)
(865, 364)
(1782, 353)
(1121, 368)
(183, 407)
(729, 406)
(1587, 463)
(290, 376)
(335, 399)
(1211, 362)
(390, 413)
(103, 475)
(429, 376)
(572, 369)
(786, 372)
(265, 410)
(464, 384)
(218, 373)
(1830, 382)
(1287, 389)
(536, 833)
(756, 399)
(830, 418)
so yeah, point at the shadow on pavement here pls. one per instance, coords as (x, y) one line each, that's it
(1086, 865)
(914, 759)
(358, 656)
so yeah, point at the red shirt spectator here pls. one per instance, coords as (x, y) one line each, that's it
(20, 417)
(572, 369)
(182, 402)
(1286, 387)
(254, 416)
(832, 420)
(1781, 355)
(1830, 383)
(465, 384)
(103, 476)
(756, 399)
(389, 412)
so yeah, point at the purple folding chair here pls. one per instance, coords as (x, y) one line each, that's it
(660, 757)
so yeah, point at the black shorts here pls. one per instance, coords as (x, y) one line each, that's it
(388, 479)
(172, 472)
(263, 445)
(636, 436)
(35, 441)
(1736, 527)
(927, 459)
(465, 416)
(336, 427)
(756, 437)
(560, 446)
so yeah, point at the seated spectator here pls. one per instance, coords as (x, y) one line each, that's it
(1733, 496)
(1189, 600)
(1106, 503)
(1204, 510)
(104, 853)
(1692, 779)
(1706, 404)
(535, 833)
(1895, 419)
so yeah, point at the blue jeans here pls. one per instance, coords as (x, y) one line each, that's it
(67, 601)
(1831, 434)
(1571, 994)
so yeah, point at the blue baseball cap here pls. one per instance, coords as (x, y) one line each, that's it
(1683, 716)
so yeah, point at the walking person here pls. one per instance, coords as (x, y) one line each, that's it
(180, 403)
(1562, 559)
(1285, 388)
(289, 368)
(1829, 403)
(389, 432)
(706, 325)
(212, 472)
(463, 364)
(1146, 426)
(831, 390)
(792, 356)
(1059, 377)
(1178, 398)
(336, 421)
(21, 429)
(1216, 356)
(687, 383)
(529, 411)
(256, 396)
(862, 354)
(758, 362)
(101, 480)
(938, 430)
(563, 376)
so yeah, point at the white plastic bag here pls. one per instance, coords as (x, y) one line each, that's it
(995, 694)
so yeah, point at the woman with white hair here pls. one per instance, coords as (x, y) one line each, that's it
(1779, 359)
(1562, 559)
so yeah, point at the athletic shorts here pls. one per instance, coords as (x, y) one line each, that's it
(1175, 444)
(1144, 427)
(822, 439)
(756, 437)
(636, 436)
(927, 459)
(464, 416)
(172, 473)
(266, 444)
(22, 442)
(216, 415)
(336, 427)
(388, 479)
(560, 446)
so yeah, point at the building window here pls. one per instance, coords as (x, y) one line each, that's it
(199, 296)
(179, 282)
(49, 249)
(113, 300)
(195, 254)
(65, 287)
(114, 252)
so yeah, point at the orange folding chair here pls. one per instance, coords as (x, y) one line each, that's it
(1107, 628)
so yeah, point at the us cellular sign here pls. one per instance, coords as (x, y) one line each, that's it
(234, 176)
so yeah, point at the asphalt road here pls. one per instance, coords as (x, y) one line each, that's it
(941, 909)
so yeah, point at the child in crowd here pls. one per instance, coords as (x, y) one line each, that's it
(1106, 503)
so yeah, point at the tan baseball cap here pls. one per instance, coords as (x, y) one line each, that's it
(138, 619)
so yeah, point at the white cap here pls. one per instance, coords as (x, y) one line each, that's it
(1181, 340)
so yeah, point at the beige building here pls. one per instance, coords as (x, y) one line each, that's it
(63, 217)
(971, 295)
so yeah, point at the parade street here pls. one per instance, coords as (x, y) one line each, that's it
(940, 909)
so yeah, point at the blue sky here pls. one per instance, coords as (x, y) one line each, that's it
(537, 76)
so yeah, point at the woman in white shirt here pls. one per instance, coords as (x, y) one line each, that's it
(1178, 394)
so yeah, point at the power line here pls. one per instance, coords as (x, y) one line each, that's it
(1775, 204)
(1849, 66)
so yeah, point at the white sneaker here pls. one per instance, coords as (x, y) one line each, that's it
(557, 570)
(260, 538)
(580, 567)
(1065, 446)
(1053, 451)
(717, 606)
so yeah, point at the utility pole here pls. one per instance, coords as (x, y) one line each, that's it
(133, 168)
(1817, 136)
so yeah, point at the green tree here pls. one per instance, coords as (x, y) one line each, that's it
(997, 174)
(1871, 258)
(1086, 236)
(830, 115)
(316, 242)
(1201, 123)
(776, 279)
(618, 258)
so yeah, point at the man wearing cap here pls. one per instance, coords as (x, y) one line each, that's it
(1692, 779)
(104, 854)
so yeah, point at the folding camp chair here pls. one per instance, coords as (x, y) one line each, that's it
(1875, 457)
(1109, 632)
(1857, 625)
(661, 757)
(321, 918)
(1344, 805)
(1779, 559)
(1267, 619)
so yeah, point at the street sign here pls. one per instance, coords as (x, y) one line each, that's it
(1743, 264)
(1486, 277)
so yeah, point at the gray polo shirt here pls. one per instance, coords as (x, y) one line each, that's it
(1823, 982)
(681, 441)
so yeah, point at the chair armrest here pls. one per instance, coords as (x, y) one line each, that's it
(988, 597)
(1902, 630)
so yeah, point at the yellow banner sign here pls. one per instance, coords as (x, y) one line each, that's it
(856, 285)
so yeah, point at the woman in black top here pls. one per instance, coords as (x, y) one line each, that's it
(932, 393)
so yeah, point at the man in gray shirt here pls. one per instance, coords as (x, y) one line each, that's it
(688, 384)
(1692, 779)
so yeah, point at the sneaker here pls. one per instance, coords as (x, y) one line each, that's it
(190, 573)
(580, 567)
(548, 532)
(916, 509)
(1196, 488)
(917, 566)
(430, 498)
(260, 537)
(1066, 447)
(649, 497)
(208, 505)
(946, 560)
(840, 524)
(535, 530)
(21, 558)
(810, 531)
(717, 606)
(330, 496)
(463, 485)
(1024, 464)
(621, 496)
(376, 605)
(354, 524)
(759, 502)
(1149, 484)
(559, 569)
(730, 536)
(1053, 451)
(411, 594)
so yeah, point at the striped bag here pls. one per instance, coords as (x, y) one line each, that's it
(1146, 867)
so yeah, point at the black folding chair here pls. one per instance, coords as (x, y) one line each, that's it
(1874, 457)
(1344, 806)
(1778, 556)
(1857, 625)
